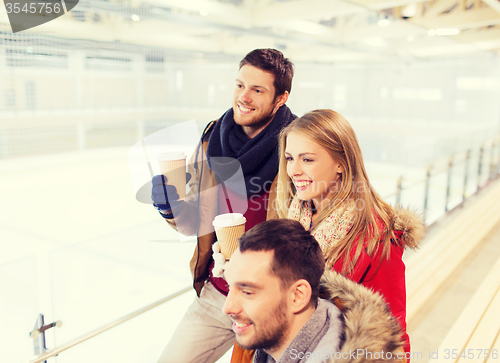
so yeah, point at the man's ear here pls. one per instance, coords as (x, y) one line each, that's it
(281, 100)
(300, 295)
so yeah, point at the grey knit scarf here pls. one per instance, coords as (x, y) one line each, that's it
(305, 341)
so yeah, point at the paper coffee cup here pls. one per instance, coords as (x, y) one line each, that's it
(229, 228)
(173, 166)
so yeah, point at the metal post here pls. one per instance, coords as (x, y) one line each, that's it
(466, 174)
(38, 334)
(497, 164)
(140, 129)
(426, 193)
(480, 167)
(399, 189)
(39, 339)
(4, 144)
(80, 134)
(492, 162)
(448, 184)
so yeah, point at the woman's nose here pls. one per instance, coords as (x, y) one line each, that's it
(294, 169)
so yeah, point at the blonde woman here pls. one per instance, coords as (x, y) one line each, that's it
(323, 184)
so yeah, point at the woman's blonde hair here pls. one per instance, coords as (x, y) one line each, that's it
(333, 132)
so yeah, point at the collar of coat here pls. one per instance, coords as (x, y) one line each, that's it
(369, 327)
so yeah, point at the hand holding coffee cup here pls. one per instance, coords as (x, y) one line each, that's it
(163, 195)
(229, 228)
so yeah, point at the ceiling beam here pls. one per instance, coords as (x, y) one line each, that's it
(383, 4)
(438, 7)
(444, 51)
(469, 19)
(480, 35)
(226, 14)
(316, 10)
(196, 5)
(494, 4)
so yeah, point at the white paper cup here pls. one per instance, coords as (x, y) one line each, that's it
(229, 228)
(173, 166)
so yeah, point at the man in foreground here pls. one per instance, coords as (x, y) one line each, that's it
(274, 303)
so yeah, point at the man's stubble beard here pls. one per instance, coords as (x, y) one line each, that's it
(272, 336)
(257, 123)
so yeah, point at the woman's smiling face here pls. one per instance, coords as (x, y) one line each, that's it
(312, 169)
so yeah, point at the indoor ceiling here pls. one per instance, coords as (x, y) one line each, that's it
(306, 30)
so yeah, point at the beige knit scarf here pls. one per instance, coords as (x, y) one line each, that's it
(331, 230)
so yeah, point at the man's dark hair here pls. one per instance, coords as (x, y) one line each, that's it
(273, 61)
(297, 254)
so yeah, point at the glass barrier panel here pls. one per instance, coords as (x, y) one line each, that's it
(108, 277)
(19, 308)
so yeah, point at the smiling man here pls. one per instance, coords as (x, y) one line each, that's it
(274, 286)
(275, 278)
(245, 137)
(255, 100)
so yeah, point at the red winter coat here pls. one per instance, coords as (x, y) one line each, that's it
(387, 276)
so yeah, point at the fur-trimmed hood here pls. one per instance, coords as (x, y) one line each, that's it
(369, 325)
(409, 226)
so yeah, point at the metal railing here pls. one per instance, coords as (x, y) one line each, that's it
(55, 351)
(447, 167)
(433, 170)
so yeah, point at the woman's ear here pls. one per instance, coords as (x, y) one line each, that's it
(340, 169)
(300, 295)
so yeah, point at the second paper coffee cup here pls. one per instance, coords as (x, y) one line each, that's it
(229, 228)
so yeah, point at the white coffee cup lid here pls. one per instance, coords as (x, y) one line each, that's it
(228, 220)
(174, 155)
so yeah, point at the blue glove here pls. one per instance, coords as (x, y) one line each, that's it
(164, 196)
